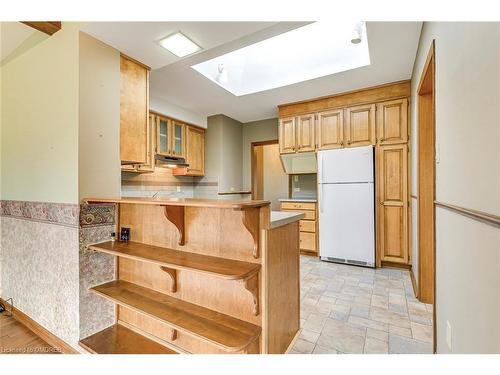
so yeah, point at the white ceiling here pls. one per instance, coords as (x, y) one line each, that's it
(392, 47)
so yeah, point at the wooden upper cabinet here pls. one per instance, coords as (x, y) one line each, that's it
(392, 193)
(360, 125)
(163, 136)
(178, 139)
(306, 132)
(151, 146)
(287, 139)
(330, 129)
(392, 122)
(195, 151)
(134, 111)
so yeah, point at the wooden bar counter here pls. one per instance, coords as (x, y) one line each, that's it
(200, 276)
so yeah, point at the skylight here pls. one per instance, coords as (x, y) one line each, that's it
(312, 51)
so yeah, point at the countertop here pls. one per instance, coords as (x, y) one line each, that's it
(311, 200)
(280, 218)
(186, 202)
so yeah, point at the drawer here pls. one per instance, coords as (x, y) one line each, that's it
(310, 215)
(308, 241)
(307, 226)
(298, 206)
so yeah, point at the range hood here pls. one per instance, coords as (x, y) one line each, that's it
(300, 163)
(171, 161)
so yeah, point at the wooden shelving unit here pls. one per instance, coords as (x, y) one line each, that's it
(201, 276)
(222, 330)
(180, 260)
(120, 340)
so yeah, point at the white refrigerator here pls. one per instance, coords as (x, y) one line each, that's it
(346, 206)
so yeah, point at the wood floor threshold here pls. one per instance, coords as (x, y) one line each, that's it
(222, 330)
(180, 260)
(481, 216)
(118, 339)
(39, 330)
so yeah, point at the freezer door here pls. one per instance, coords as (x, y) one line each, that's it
(346, 222)
(345, 165)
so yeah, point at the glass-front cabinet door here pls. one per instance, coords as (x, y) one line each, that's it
(163, 134)
(178, 139)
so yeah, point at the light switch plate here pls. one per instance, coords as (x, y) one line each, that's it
(296, 178)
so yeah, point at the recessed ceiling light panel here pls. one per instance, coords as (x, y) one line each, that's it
(179, 44)
(312, 51)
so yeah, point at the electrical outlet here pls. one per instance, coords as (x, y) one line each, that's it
(178, 189)
(296, 178)
(448, 335)
(296, 190)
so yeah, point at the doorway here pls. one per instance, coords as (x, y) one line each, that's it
(269, 181)
(426, 153)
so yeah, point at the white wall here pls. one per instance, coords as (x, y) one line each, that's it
(275, 180)
(179, 113)
(40, 121)
(99, 119)
(467, 175)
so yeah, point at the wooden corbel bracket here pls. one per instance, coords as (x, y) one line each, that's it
(250, 218)
(175, 214)
(173, 277)
(252, 285)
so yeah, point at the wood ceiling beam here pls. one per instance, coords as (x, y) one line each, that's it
(48, 27)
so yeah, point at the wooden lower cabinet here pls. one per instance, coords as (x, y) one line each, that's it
(307, 226)
(392, 203)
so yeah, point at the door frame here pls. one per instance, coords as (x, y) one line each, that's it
(426, 184)
(253, 164)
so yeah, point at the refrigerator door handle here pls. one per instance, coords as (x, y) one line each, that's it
(321, 202)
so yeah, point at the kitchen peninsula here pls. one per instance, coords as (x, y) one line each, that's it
(200, 276)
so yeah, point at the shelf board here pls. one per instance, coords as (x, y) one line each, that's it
(180, 260)
(118, 339)
(222, 330)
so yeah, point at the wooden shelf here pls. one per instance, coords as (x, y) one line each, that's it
(120, 340)
(222, 330)
(180, 260)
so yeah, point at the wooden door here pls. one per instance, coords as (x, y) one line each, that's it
(360, 125)
(392, 122)
(134, 111)
(392, 181)
(178, 139)
(195, 151)
(287, 139)
(330, 129)
(151, 146)
(306, 132)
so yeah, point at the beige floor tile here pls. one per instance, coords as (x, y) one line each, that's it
(399, 331)
(315, 323)
(368, 323)
(376, 334)
(380, 301)
(310, 336)
(324, 350)
(421, 332)
(303, 346)
(374, 346)
(352, 344)
(397, 299)
(390, 317)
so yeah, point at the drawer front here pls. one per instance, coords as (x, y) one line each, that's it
(308, 241)
(307, 226)
(310, 215)
(298, 206)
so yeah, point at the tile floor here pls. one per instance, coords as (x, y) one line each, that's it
(349, 309)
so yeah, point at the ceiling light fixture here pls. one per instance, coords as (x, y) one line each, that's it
(357, 32)
(179, 44)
